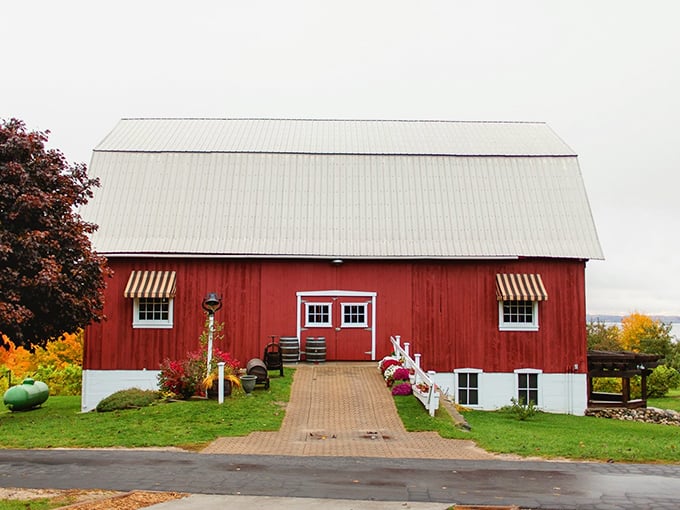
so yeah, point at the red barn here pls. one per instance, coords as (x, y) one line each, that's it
(469, 239)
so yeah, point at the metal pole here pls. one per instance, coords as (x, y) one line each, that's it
(211, 323)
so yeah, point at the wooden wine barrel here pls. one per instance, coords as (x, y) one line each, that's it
(290, 349)
(257, 368)
(315, 349)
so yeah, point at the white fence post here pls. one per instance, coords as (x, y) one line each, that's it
(220, 384)
(430, 399)
(433, 396)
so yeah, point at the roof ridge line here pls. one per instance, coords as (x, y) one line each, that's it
(302, 119)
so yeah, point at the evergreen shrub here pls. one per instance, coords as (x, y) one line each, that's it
(132, 398)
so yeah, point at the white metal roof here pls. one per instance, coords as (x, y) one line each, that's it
(335, 137)
(412, 189)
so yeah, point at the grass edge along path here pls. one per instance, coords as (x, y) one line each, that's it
(552, 436)
(188, 424)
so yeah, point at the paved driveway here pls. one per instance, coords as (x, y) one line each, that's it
(344, 409)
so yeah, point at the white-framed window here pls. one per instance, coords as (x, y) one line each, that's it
(467, 386)
(528, 386)
(317, 315)
(519, 315)
(354, 315)
(152, 313)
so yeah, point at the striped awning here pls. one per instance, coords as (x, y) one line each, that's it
(151, 284)
(520, 287)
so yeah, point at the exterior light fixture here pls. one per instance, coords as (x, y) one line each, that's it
(337, 262)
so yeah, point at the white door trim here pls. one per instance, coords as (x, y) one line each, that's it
(338, 293)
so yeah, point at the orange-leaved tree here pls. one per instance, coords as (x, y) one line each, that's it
(58, 364)
(641, 333)
(633, 328)
(66, 350)
(16, 359)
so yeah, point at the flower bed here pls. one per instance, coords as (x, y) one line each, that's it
(394, 372)
(402, 389)
(184, 378)
(402, 380)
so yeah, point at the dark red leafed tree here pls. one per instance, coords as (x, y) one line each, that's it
(51, 281)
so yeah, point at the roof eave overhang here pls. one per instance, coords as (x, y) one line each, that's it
(301, 257)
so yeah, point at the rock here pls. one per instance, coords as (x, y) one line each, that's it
(648, 415)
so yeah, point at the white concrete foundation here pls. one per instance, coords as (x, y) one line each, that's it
(557, 393)
(99, 384)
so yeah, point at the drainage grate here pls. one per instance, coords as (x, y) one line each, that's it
(375, 435)
(320, 436)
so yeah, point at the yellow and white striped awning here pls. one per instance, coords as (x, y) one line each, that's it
(151, 284)
(520, 287)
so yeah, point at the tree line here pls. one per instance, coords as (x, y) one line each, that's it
(639, 333)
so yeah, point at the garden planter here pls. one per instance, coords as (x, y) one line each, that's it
(248, 383)
(213, 391)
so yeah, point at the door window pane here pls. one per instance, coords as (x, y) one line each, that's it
(318, 314)
(354, 315)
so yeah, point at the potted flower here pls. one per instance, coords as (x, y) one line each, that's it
(422, 387)
(210, 382)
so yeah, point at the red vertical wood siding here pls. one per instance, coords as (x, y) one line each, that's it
(460, 325)
(447, 309)
(115, 344)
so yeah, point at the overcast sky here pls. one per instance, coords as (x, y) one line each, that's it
(605, 75)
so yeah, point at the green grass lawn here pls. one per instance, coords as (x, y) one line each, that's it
(187, 424)
(33, 504)
(670, 401)
(575, 437)
(552, 435)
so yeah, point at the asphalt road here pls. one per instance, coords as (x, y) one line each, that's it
(529, 484)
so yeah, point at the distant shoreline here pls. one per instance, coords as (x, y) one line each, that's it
(666, 319)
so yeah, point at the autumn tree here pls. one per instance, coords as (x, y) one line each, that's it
(51, 280)
(641, 333)
(602, 337)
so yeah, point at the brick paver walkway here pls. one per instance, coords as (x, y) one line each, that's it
(344, 409)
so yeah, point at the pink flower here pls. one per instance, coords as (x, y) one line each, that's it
(400, 374)
(401, 389)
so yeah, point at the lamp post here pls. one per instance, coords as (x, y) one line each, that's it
(211, 303)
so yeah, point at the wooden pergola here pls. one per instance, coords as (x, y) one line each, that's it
(623, 365)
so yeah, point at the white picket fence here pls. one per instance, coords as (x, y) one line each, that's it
(430, 398)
